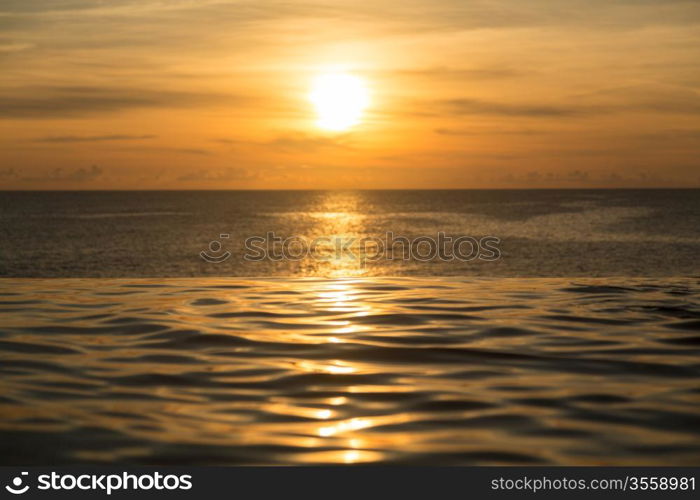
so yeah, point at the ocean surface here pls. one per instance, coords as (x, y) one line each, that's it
(552, 233)
(344, 371)
(135, 329)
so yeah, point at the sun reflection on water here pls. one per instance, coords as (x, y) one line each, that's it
(333, 367)
(353, 424)
(347, 371)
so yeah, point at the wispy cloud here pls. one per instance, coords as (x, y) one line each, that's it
(67, 101)
(93, 138)
(219, 175)
(8, 173)
(648, 97)
(497, 131)
(482, 107)
(456, 73)
(295, 142)
(77, 175)
(160, 150)
(11, 47)
(307, 143)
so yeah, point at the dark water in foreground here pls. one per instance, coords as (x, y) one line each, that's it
(309, 371)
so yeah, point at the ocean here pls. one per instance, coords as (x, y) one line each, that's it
(546, 233)
(127, 338)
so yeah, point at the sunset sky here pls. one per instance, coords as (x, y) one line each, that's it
(185, 94)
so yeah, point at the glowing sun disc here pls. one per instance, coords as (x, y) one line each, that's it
(339, 99)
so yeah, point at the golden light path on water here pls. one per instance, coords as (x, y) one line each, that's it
(352, 370)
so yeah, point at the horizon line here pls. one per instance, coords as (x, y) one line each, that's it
(165, 190)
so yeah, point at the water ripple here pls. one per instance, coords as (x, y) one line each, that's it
(303, 371)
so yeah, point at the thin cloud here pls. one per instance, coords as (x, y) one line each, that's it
(653, 98)
(219, 175)
(305, 143)
(157, 150)
(640, 99)
(467, 132)
(8, 48)
(442, 72)
(52, 102)
(78, 175)
(480, 107)
(9, 173)
(94, 138)
(294, 142)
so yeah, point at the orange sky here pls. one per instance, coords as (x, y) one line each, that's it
(212, 94)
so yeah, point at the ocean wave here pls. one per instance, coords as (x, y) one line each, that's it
(316, 371)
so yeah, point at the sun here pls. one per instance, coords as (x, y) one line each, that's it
(339, 99)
